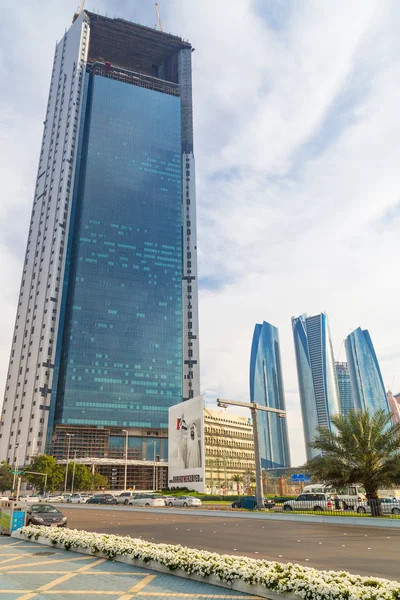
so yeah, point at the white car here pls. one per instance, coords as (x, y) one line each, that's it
(183, 501)
(317, 502)
(146, 500)
(32, 498)
(78, 498)
(124, 497)
(387, 506)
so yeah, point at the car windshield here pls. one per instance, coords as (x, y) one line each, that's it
(43, 508)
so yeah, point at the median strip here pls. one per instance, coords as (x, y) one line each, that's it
(253, 576)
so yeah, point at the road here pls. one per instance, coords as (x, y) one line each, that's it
(362, 550)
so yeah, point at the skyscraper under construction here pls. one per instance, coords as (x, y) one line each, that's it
(106, 333)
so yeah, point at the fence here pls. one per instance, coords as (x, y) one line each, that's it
(324, 504)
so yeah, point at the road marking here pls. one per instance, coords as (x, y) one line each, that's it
(138, 587)
(67, 576)
(17, 557)
(15, 544)
(44, 562)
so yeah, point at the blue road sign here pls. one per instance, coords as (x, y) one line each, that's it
(294, 478)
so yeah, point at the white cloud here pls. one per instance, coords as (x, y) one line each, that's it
(297, 129)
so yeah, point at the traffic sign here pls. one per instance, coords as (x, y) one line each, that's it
(16, 472)
(295, 478)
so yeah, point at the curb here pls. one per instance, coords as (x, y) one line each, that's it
(237, 585)
(325, 519)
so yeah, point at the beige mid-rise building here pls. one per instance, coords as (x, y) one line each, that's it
(228, 449)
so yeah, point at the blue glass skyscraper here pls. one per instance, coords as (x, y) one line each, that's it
(344, 384)
(266, 388)
(106, 336)
(319, 394)
(365, 375)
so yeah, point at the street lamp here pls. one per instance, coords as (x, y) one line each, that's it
(15, 464)
(69, 435)
(254, 407)
(154, 465)
(126, 457)
(73, 473)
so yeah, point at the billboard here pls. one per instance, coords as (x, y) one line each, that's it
(186, 445)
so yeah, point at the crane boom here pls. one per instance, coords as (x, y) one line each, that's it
(158, 16)
(78, 12)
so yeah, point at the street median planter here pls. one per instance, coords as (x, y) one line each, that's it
(263, 578)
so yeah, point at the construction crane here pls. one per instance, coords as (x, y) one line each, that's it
(158, 16)
(80, 9)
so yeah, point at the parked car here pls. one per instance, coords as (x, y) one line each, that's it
(147, 500)
(387, 506)
(351, 495)
(184, 501)
(125, 497)
(78, 498)
(32, 498)
(102, 499)
(45, 514)
(240, 502)
(52, 498)
(318, 502)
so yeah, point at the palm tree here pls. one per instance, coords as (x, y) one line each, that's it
(364, 449)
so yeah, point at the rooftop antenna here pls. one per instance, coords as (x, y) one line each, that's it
(78, 12)
(158, 17)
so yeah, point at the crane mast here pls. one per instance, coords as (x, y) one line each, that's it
(158, 16)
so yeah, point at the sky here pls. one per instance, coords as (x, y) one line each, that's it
(297, 145)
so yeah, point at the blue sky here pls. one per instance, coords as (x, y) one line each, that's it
(298, 182)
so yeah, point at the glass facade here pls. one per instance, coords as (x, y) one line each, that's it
(365, 374)
(266, 389)
(319, 393)
(119, 361)
(346, 398)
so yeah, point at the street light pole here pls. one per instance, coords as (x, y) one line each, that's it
(254, 407)
(15, 465)
(126, 457)
(69, 435)
(154, 466)
(73, 473)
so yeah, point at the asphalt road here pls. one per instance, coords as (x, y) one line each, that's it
(365, 551)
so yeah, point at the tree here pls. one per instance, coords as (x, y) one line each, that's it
(364, 449)
(6, 477)
(99, 481)
(82, 477)
(46, 464)
(237, 479)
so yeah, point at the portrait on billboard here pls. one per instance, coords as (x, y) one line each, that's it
(185, 442)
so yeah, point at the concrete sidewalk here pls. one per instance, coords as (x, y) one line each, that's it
(28, 570)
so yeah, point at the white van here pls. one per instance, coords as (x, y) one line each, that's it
(352, 495)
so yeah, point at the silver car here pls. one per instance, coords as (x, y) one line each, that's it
(146, 500)
(184, 501)
(317, 502)
(124, 497)
(387, 506)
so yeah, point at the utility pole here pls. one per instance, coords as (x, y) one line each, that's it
(15, 465)
(254, 407)
(73, 473)
(69, 436)
(154, 466)
(126, 458)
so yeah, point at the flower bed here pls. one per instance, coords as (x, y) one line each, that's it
(306, 582)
